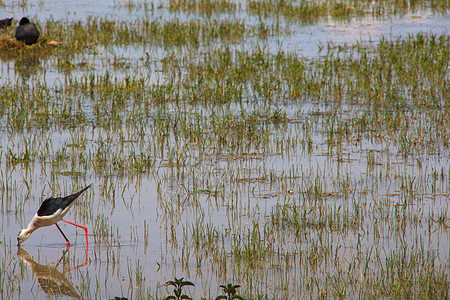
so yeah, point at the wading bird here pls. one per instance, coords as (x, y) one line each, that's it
(52, 210)
(27, 32)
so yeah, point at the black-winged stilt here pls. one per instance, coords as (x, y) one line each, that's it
(52, 210)
(27, 32)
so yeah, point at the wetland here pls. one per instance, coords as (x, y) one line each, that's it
(275, 149)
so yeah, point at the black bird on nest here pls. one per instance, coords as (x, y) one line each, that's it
(27, 32)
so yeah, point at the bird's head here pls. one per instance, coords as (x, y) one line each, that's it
(22, 236)
(24, 21)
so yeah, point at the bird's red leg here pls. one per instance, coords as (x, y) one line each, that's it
(84, 227)
(67, 240)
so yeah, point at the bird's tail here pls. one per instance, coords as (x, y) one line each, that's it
(75, 196)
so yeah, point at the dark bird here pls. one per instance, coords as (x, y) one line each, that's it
(27, 32)
(52, 210)
(5, 22)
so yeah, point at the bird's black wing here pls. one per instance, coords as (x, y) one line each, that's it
(51, 205)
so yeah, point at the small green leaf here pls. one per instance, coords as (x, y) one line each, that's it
(187, 283)
(221, 297)
(170, 282)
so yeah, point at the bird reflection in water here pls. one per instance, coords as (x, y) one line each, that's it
(51, 280)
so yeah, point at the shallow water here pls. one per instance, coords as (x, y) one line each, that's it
(142, 224)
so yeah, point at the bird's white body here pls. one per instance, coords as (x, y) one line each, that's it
(51, 211)
(42, 221)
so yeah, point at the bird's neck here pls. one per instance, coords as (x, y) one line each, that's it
(31, 227)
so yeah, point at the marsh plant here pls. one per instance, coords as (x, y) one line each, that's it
(178, 285)
(230, 292)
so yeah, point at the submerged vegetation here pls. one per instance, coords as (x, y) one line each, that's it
(217, 155)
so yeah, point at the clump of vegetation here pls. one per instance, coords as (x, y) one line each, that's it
(178, 285)
(303, 11)
(230, 291)
(203, 6)
(10, 48)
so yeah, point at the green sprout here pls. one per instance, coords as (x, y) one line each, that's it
(230, 290)
(178, 284)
